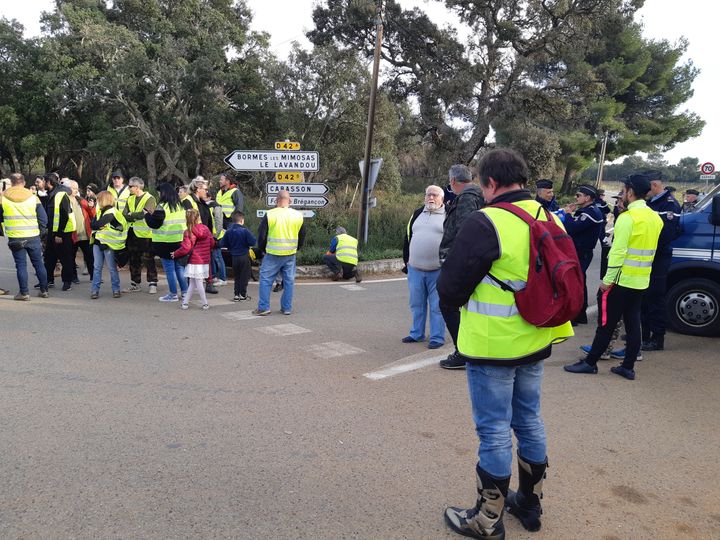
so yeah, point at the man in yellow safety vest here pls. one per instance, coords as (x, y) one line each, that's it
(139, 236)
(280, 235)
(119, 190)
(504, 353)
(630, 263)
(23, 217)
(230, 198)
(342, 256)
(62, 227)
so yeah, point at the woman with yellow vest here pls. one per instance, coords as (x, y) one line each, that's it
(630, 262)
(504, 353)
(109, 234)
(168, 225)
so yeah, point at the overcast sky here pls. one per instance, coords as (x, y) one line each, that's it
(287, 20)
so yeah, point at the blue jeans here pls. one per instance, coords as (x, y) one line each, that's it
(99, 258)
(423, 292)
(218, 265)
(34, 250)
(173, 272)
(272, 265)
(504, 398)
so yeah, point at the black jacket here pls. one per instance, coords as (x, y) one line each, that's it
(155, 221)
(475, 249)
(669, 210)
(408, 236)
(456, 211)
(65, 208)
(585, 226)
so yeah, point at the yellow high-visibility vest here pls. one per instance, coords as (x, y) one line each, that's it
(20, 218)
(70, 226)
(139, 227)
(346, 249)
(111, 237)
(283, 227)
(224, 199)
(490, 325)
(120, 198)
(173, 226)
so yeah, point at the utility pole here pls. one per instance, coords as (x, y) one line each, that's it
(365, 191)
(601, 164)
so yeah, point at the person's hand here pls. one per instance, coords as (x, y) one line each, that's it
(172, 255)
(58, 240)
(404, 269)
(604, 287)
(570, 208)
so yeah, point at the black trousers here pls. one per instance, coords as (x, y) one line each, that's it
(140, 254)
(63, 252)
(241, 271)
(613, 304)
(654, 314)
(604, 254)
(87, 251)
(585, 256)
(338, 267)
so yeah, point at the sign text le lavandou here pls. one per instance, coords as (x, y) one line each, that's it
(272, 160)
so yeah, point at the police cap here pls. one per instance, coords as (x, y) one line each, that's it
(544, 184)
(640, 183)
(692, 192)
(586, 189)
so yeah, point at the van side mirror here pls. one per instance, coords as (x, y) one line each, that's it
(715, 214)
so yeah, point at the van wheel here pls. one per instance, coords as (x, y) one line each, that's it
(694, 307)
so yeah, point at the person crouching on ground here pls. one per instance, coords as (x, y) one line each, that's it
(198, 242)
(238, 240)
(342, 257)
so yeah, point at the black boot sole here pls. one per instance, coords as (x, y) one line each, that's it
(530, 520)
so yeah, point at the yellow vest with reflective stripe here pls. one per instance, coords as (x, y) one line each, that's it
(139, 227)
(173, 226)
(20, 218)
(224, 199)
(122, 198)
(646, 228)
(70, 226)
(109, 236)
(283, 227)
(346, 249)
(490, 325)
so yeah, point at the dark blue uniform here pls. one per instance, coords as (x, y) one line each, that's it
(653, 314)
(584, 227)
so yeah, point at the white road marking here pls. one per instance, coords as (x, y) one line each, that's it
(333, 349)
(216, 301)
(335, 283)
(240, 315)
(403, 366)
(352, 287)
(283, 330)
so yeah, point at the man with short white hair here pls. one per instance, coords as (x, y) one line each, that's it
(421, 254)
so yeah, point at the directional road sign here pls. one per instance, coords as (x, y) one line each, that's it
(301, 201)
(274, 160)
(287, 145)
(297, 189)
(305, 213)
(289, 177)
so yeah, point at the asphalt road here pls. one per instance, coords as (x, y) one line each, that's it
(128, 418)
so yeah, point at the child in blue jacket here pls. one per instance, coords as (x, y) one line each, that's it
(238, 240)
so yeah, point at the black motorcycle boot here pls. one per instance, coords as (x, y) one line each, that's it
(484, 520)
(524, 503)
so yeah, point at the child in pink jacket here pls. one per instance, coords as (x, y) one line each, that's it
(197, 241)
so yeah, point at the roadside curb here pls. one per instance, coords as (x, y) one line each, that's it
(381, 266)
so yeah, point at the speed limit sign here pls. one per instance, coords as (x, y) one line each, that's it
(707, 168)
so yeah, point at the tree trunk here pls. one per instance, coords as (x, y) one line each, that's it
(567, 180)
(151, 169)
(15, 160)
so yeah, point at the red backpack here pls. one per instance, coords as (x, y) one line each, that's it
(555, 287)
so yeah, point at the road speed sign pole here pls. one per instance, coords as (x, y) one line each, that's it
(365, 200)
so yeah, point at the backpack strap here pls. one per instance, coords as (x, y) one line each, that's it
(522, 214)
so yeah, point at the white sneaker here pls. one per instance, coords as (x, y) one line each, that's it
(132, 288)
(206, 307)
(152, 289)
(184, 306)
(219, 282)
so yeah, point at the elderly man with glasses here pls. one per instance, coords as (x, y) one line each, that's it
(421, 254)
(584, 222)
